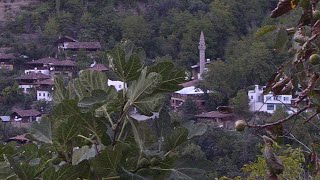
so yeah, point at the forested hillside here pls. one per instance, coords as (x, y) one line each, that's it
(165, 29)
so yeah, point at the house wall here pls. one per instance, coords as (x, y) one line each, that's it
(24, 122)
(43, 71)
(177, 100)
(44, 95)
(117, 84)
(26, 88)
(55, 73)
(268, 103)
(6, 66)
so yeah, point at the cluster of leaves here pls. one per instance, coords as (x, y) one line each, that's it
(298, 77)
(95, 131)
(292, 159)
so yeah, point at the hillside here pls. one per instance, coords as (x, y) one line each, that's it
(168, 28)
(10, 8)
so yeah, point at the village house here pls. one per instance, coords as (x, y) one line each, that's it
(24, 118)
(45, 90)
(217, 119)
(6, 61)
(40, 74)
(28, 82)
(41, 65)
(193, 93)
(65, 68)
(98, 67)
(269, 102)
(66, 43)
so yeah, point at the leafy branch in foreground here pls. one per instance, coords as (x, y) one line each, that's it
(94, 131)
(299, 76)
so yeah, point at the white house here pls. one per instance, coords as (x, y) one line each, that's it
(268, 102)
(36, 70)
(117, 84)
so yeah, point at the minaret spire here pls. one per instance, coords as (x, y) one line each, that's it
(202, 54)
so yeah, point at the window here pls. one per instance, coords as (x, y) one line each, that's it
(44, 94)
(286, 98)
(39, 94)
(260, 98)
(270, 107)
(268, 98)
(277, 98)
(251, 97)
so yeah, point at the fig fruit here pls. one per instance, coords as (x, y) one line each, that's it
(314, 59)
(316, 15)
(143, 163)
(154, 161)
(240, 125)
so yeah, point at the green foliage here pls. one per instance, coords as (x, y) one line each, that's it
(51, 28)
(292, 160)
(91, 132)
(163, 28)
(189, 109)
(229, 150)
(241, 104)
(136, 29)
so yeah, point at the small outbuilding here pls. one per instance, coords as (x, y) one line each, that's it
(217, 119)
(24, 118)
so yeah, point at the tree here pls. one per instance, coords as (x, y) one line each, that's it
(189, 110)
(296, 73)
(135, 28)
(51, 29)
(241, 104)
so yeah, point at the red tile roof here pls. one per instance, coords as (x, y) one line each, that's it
(21, 137)
(45, 60)
(46, 82)
(214, 114)
(34, 76)
(27, 113)
(82, 45)
(99, 67)
(64, 63)
(65, 39)
(5, 49)
(7, 56)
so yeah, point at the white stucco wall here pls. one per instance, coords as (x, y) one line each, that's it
(25, 88)
(44, 95)
(117, 84)
(268, 103)
(43, 71)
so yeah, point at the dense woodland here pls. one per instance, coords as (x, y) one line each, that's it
(168, 30)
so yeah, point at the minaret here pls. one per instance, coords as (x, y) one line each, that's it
(202, 54)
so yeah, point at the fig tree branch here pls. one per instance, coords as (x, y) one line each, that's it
(280, 121)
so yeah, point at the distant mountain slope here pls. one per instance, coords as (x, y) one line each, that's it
(9, 8)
